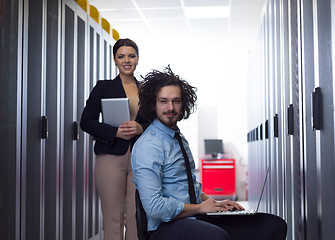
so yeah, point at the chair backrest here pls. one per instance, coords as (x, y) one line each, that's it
(141, 219)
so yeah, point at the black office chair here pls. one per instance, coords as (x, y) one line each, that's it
(141, 219)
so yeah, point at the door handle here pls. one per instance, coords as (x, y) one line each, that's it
(316, 109)
(75, 131)
(290, 122)
(44, 127)
(267, 129)
(275, 123)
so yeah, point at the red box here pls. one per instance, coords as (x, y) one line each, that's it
(218, 177)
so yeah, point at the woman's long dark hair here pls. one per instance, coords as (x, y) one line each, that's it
(151, 85)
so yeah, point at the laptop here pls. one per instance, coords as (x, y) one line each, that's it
(244, 212)
(115, 111)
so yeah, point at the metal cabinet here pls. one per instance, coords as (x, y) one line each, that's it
(218, 177)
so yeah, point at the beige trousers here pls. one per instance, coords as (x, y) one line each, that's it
(114, 179)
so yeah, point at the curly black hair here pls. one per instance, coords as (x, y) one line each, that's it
(151, 85)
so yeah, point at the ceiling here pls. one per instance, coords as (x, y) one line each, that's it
(166, 18)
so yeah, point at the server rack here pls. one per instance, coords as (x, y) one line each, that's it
(291, 68)
(47, 60)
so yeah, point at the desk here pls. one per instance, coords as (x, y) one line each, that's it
(218, 177)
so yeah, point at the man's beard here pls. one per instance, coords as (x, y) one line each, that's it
(171, 123)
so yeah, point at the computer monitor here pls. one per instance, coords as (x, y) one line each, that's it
(213, 147)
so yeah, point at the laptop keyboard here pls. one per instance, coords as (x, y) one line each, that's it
(244, 212)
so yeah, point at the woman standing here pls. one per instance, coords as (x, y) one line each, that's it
(113, 171)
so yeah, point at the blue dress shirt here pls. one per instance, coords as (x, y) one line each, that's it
(160, 174)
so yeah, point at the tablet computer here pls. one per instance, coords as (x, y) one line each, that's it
(115, 111)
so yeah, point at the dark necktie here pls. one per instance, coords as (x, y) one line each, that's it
(191, 191)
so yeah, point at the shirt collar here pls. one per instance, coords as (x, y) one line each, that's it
(164, 128)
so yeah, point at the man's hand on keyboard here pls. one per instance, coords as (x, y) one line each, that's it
(229, 205)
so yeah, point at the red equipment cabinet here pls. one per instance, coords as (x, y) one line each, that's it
(218, 177)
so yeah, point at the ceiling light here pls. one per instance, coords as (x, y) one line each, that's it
(207, 12)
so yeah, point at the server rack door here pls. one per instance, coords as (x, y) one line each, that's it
(265, 41)
(33, 167)
(97, 208)
(11, 19)
(269, 104)
(259, 154)
(310, 167)
(325, 136)
(79, 137)
(278, 110)
(94, 213)
(297, 97)
(285, 95)
(297, 224)
(91, 183)
(262, 75)
(68, 174)
(272, 108)
(52, 145)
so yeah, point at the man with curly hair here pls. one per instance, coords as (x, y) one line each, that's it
(163, 170)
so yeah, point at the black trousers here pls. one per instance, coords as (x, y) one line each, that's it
(260, 226)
